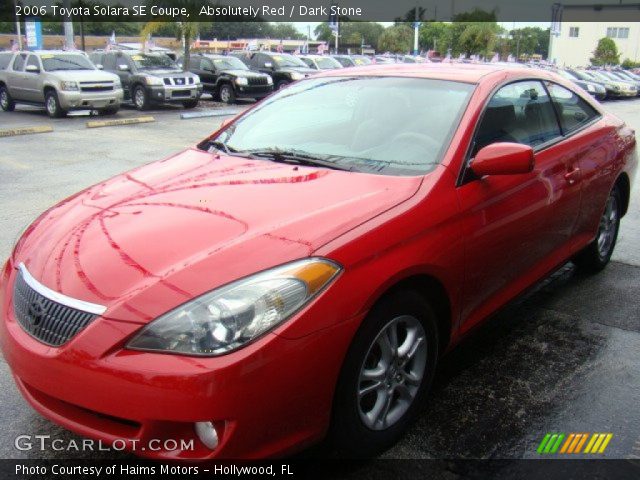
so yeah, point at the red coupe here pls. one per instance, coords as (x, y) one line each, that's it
(300, 272)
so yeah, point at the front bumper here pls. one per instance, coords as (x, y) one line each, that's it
(268, 399)
(77, 100)
(250, 91)
(173, 94)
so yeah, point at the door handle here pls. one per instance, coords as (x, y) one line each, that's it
(572, 175)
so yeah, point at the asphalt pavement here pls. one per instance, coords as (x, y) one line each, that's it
(562, 359)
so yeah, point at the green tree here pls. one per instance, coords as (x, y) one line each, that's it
(397, 39)
(354, 33)
(286, 31)
(606, 53)
(478, 38)
(182, 29)
(436, 36)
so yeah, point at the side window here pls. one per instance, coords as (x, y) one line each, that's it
(574, 112)
(109, 62)
(206, 65)
(5, 58)
(309, 62)
(33, 61)
(18, 63)
(520, 112)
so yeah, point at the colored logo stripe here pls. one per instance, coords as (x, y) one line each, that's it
(574, 442)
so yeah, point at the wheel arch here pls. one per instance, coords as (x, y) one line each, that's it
(431, 289)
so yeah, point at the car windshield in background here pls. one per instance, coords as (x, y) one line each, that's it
(567, 75)
(229, 63)
(383, 125)
(327, 63)
(362, 60)
(288, 61)
(65, 61)
(151, 61)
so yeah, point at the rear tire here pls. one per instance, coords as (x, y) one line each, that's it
(6, 102)
(597, 254)
(281, 84)
(379, 394)
(52, 105)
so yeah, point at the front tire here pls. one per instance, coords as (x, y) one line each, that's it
(386, 375)
(598, 253)
(140, 98)
(227, 94)
(6, 102)
(52, 105)
(282, 84)
(189, 104)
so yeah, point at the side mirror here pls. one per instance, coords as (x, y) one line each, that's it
(32, 69)
(99, 66)
(123, 68)
(503, 159)
(268, 65)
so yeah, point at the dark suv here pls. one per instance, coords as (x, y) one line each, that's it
(282, 67)
(150, 78)
(228, 78)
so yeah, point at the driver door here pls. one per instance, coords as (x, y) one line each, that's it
(33, 91)
(515, 226)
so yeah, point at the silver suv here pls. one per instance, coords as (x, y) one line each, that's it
(59, 80)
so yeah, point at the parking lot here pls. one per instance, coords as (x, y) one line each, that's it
(563, 359)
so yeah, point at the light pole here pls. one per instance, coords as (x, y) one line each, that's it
(18, 28)
(68, 26)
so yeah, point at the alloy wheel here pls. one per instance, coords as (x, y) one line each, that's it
(392, 372)
(225, 95)
(608, 226)
(4, 99)
(52, 107)
(139, 98)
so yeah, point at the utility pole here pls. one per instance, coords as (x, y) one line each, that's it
(18, 29)
(416, 28)
(68, 27)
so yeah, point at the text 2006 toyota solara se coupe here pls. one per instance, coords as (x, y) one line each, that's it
(300, 272)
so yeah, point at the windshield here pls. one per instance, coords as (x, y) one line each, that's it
(65, 61)
(384, 125)
(362, 60)
(229, 63)
(581, 74)
(600, 76)
(152, 60)
(327, 63)
(288, 61)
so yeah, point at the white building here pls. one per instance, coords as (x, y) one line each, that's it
(575, 42)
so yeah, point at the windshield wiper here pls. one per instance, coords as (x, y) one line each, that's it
(223, 147)
(297, 157)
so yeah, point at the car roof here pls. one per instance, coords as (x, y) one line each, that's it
(467, 73)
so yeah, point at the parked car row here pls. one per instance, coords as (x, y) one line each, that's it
(603, 84)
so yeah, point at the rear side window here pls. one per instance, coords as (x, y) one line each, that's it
(5, 58)
(574, 112)
(520, 112)
(18, 63)
(33, 61)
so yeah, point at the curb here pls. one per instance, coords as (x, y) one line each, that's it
(12, 132)
(119, 121)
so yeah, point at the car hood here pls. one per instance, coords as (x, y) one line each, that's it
(299, 70)
(151, 239)
(84, 75)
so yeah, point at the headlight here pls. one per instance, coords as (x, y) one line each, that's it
(196, 79)
(229, 317)
(296, 76)
(69, 85)
(153, 81)
(117, 83)
(590, 88)
(242, 81)
(269, 80)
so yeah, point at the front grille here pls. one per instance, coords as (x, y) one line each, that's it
(181, 93)
(258, 81)
(96, 87)
(178, 81)
(44, 319)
